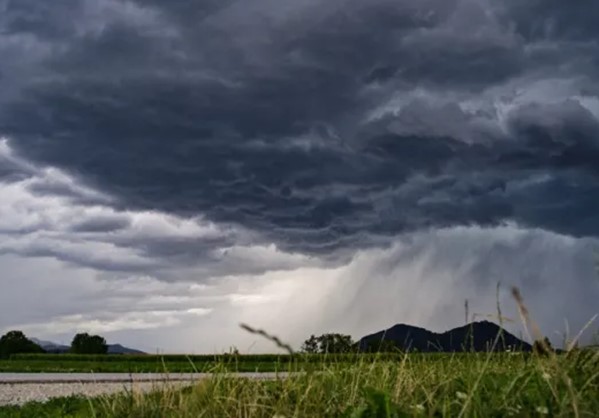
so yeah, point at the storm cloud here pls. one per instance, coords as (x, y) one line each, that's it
(213, 139)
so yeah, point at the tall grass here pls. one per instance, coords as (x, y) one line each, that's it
(439, 385)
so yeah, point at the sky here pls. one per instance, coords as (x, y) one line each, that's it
(171, 169)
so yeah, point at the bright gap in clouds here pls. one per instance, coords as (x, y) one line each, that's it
(72, 263)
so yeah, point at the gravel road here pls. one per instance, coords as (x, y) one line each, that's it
(119, 377)
(22, 393)
(20, 388)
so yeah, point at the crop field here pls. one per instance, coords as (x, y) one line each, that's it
(81, 363)
(356, 386)
(74, 363)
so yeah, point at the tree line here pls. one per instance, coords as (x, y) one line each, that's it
(333, 343)
(16, 342)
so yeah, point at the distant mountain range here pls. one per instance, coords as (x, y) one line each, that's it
(54, 348)
(476, 336)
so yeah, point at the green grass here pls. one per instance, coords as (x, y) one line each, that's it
(73, 406)
(65, 363)
(66, 366)
(443, 385)
(68, 363)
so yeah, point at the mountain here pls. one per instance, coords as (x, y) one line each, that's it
(51, 347)
(119, 349)
(54, 348)
(405, 337)
(476, 336)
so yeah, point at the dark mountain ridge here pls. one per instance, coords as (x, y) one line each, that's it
(476, 336)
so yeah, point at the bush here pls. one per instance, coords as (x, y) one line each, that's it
(329, 344)
(542, 347)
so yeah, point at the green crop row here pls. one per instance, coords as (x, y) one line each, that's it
(247, 358)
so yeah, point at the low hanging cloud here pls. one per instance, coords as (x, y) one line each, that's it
(237, 143)
(73, 229)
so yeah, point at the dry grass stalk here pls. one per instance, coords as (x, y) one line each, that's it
(269, 337)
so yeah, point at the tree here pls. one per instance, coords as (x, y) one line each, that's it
(15, 342)
(88, 344)
(310, 346)
(542, 347)
(328, 343)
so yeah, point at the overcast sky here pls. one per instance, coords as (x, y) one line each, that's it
(169, 169)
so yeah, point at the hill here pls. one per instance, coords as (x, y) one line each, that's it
(51, 347)
(476, 336)
(119, 349)
(54, 348)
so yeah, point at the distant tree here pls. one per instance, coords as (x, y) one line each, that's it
(328, 343)
(88, 344)
(542, 347)
(15, 342)
(335, 343)
(310, 346)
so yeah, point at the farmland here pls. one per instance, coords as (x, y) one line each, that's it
(74, 363)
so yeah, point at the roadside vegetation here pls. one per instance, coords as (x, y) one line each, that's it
(428, 385)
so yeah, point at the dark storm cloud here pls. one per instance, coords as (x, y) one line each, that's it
(554, 19)
(71, 256)
(102, 224)
(43, 19)
(257, 113)
(10, 171)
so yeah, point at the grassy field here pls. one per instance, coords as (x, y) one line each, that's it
(439, 385)
(76, 363)
(124, 366)
(65, 363)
